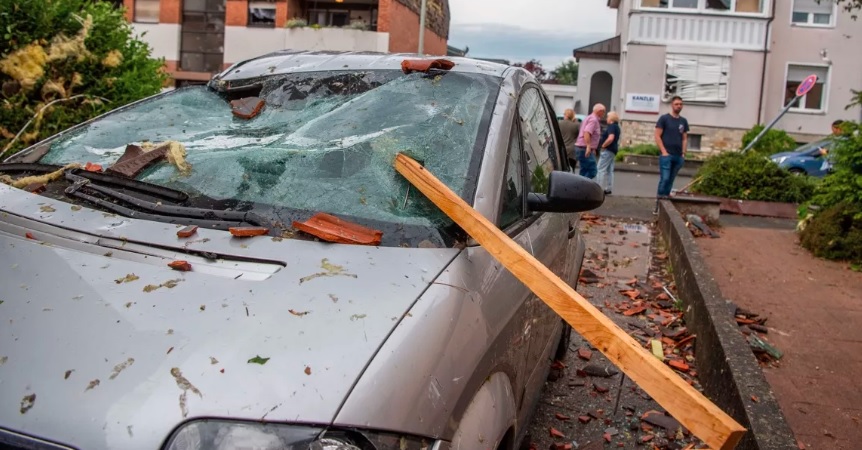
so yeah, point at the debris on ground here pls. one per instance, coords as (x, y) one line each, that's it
(698, 227)
(182, 266)
(753, 326)
(258, 360)
(332, 229)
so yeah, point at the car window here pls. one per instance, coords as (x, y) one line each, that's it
(324, 141)
(538, 138)
(513, 191)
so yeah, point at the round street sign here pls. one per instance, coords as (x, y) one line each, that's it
(806, 85)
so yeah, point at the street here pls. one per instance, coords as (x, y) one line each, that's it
(635, 184)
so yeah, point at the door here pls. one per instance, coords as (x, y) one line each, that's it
(545, 233)
(202, 41)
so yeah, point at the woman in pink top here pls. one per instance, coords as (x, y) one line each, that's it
(588, 142)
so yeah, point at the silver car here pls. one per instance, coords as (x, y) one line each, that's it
(285, 341)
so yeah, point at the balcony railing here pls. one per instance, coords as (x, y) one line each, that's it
(732, 32)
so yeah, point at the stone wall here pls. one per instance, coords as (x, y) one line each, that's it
(713, 139)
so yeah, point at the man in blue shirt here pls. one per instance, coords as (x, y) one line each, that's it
(671, 136)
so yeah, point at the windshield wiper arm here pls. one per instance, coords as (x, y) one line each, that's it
(165, 213)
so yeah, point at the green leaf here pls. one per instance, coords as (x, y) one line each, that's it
(258, 360)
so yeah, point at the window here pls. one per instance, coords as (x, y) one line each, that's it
(814, 100)
(694, 141)
(539, 146)
(738, 6)
(697, 78)
(147, 11)
(813, 12)
(513, 192)
(261, 14)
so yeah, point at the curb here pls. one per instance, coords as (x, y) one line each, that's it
(727, 369)
(623, 167)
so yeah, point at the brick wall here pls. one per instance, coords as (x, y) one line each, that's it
(280, 13)
(170, 11)
(713, 139)
(236, 13)
(402, 25)
(130, 9)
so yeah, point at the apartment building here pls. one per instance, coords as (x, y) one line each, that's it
(735, 62)
(198, 38)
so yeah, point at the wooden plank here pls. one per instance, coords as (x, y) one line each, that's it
(703, 418)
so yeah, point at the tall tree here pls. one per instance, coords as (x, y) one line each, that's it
(566, 73)
(535, 67)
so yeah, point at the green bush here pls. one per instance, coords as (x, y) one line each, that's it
(63, 62)
(640, 149)
(751, 176)
(844, 183)
(835, 233)
(774, 141)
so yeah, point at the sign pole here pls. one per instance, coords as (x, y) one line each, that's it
(422, 16)
(804, 88)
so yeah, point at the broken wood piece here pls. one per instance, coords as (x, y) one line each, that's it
(188, 231)
(248, 231)
(657, 349)
(332, 229)
(696, 412)
(247, 108)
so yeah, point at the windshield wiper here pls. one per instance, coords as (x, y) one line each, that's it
(210, 218)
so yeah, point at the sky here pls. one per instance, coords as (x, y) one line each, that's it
(520, 30)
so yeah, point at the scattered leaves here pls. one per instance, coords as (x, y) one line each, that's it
(331, 270)
(127, 279)
(213, 361)
(357, 317)
(298, 313)
(258, 360)
(170, 284)
(92, 384)
(121, 367)
(307, 370)
(68, 374)
(27, 403)
(47, 209)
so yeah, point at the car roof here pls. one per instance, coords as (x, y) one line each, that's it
(292, 61)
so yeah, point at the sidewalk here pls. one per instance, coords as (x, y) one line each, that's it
(815, 318)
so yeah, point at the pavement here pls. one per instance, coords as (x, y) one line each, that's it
(580, 405)
(814, 310)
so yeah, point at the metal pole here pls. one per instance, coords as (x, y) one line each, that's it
(771, 124)
(422, 27)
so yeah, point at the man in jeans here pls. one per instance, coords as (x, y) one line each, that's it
(671, 136)
(588, 142)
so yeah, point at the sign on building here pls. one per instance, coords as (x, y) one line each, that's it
(643, 103)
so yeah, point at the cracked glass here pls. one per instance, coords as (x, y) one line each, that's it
(324, 142)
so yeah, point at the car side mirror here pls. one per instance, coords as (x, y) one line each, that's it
(567, 193)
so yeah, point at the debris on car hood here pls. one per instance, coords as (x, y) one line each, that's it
(425, 65)
(21, 183)
(247, 108)
(332, 229)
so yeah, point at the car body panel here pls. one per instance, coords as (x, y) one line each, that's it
(405, 346)
(806, 159)
(64, 311)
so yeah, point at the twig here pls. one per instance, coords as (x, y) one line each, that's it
(693, 182)
(39, 113)
(406, 196)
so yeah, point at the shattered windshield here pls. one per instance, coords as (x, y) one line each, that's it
(323, 142)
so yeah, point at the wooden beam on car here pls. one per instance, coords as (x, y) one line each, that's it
(691, 408)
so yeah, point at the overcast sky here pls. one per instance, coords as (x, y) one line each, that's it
(518, 30)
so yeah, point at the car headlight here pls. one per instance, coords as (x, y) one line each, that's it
(779, 160)
(229, 435)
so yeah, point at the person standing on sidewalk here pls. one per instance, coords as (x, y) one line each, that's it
(610, 146)
(588, 142)
(671, 136)
(570, 128)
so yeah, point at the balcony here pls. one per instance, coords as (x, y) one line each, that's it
(248, 42)
(698, 30)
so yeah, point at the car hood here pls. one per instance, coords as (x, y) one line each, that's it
(103, 346)
(786, 154)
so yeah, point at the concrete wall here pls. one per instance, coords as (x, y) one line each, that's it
(587, 68)
(163, 38)
(842, 46)
(244, 42)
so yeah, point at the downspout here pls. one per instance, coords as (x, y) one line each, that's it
(765, 57)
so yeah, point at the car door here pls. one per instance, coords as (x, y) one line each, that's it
(545, 233)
